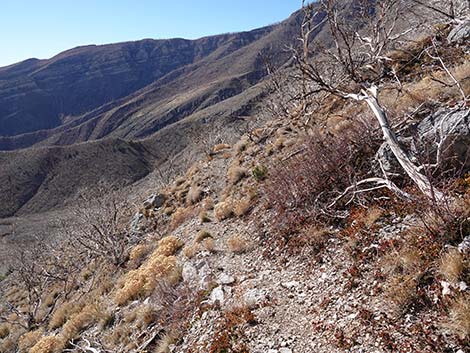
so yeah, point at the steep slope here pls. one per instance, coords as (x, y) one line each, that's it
(42, 94)
(182, 108)
(231, 65)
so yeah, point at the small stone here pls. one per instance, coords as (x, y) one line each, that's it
(189, 272)
(285, 350)
(225, 279)
(445, 288)
(290, 285)
(217, 295)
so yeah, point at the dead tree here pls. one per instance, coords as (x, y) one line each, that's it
(35, 270)
(102, 225)
(355, 68)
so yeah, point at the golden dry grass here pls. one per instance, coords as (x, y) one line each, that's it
(165, 342)
(203, 234)
(241, 145)
(63, 313)
(452, 265)
(209, 244)
(235, 174)
(221, 147)
(238, 244)
(161, 265)
(182, 215)
(47, 344)
(4, 330)
(224, 209)
(204, 217)
(458, 321)
(241, 207)
(87, 316)
(194, 195)
(138, 253)
(191, 250)
(29, 339)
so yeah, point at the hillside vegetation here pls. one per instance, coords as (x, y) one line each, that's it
(271, 243)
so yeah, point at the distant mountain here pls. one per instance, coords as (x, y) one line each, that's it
(162, 94)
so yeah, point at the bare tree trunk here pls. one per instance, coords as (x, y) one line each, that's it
(408, 166)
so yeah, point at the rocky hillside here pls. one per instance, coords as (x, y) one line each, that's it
(130, 89)
(175, 94)
(268, 243)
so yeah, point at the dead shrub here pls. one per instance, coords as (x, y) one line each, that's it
(230, 334)
(300, 189)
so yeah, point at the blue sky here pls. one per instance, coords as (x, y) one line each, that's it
(43, 28)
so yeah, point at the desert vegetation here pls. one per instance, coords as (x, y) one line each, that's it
(340, 223)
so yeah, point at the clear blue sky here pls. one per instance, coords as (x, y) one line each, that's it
(43, 28)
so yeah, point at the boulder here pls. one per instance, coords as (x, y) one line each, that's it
(154, 201)
(453, 125)
(460, 33)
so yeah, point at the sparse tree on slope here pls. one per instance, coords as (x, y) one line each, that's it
(363, 33)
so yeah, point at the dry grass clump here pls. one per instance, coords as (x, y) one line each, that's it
(204, 217)
(194, 195)
(241, 207)
(203, 234)
(241, 145)
(165, 342)
(221, 147)
(161, 265)
(8, 344)
(224, 209)
(146, 314)
(86, 317)
(373, 214)
(452, 265)
(191, 250)
(64, 313)
(138, 253)
(47, 344)
(29, 339)
(209, 244)
(236, 173)
(208, 204)
(238, 244)
(4, 331)
(458, 321)
(405, 269)
(181, 215)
